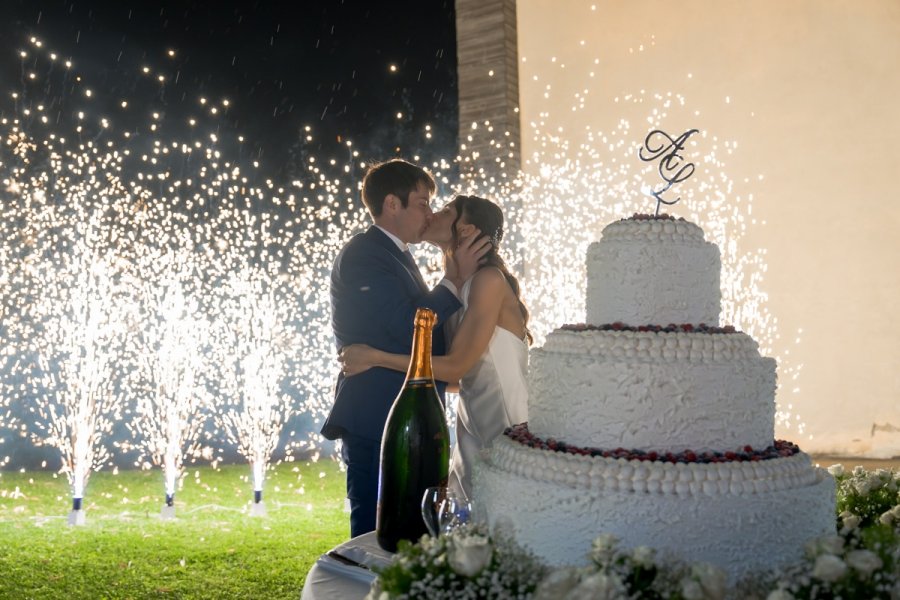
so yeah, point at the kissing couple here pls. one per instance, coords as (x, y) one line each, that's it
(480, 341)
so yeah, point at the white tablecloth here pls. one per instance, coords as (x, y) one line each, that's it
(329, 578)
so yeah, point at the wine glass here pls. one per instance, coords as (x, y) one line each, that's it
(432, 500)
(455, 511)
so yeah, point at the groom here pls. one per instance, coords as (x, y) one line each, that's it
(376, 288)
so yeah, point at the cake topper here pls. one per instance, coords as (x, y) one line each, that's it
(671, 168)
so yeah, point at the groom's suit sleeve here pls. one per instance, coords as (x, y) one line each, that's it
(374, 299)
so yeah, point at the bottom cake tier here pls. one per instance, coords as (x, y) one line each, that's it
(742, 516)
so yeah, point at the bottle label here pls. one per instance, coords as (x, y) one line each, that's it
(419, 381)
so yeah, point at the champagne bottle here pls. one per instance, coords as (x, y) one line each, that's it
(415, 449)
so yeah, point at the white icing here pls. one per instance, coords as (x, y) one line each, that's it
(652, 391)
(741, 516)
(653, 272)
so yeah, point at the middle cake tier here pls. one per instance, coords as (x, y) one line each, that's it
(647, 390)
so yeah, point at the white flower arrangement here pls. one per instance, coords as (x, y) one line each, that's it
(619, 574)
(866, 495)
(861, 560)
(467, 563)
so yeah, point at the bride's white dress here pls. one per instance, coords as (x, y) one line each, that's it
(492, 396)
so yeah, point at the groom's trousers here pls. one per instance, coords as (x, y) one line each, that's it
(362, 457)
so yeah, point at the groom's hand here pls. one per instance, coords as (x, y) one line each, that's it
(466, 258)
(356, 358)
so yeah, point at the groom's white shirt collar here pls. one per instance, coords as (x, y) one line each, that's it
(403, 247)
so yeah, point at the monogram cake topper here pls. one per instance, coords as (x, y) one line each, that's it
(671, 166)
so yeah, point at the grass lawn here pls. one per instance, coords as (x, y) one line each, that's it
(213, 549)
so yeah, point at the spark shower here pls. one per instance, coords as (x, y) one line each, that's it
(153, 276)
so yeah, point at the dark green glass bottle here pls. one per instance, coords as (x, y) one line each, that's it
(415, 449)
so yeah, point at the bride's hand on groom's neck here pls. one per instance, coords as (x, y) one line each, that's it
(462, 262)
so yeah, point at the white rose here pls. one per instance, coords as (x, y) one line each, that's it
(469, 554)
(691, 589)
(866, 485)
(850, 523)
(886, 518)
(712, 579)
(557, 584)
(603, 548)
(781, 594)
(828, 544)
(643, 556)
(864, 561)
(836, 471)
(600, 586)
(829, 568)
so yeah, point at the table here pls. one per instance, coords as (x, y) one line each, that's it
(329, 578)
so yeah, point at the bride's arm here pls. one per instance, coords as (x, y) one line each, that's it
(477, 326)
(469, 343)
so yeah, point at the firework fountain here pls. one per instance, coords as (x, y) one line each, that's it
(66, 293)
(75, 331)
(170, 413)
(254, 338)
(254, 363)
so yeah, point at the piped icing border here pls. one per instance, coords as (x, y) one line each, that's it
(651, 345)
(788, 468)
(668, 230)
(670, 328)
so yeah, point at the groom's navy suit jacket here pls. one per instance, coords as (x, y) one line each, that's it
(375, 291)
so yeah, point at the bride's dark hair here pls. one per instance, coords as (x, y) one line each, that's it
(487, 217)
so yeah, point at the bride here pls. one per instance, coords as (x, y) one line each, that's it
(489, 336)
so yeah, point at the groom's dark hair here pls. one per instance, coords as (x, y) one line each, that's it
(396, 177)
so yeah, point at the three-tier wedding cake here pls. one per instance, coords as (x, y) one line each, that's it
(653, 422)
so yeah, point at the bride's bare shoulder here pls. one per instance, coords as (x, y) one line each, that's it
(489, 275)
(488, 280)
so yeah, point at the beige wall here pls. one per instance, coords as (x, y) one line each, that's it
(798, 101)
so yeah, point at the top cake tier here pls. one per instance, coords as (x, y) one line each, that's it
(653, 272)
